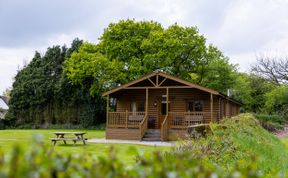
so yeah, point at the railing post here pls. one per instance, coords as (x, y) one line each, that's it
(211, 106)
(126, 116)
(107, 110)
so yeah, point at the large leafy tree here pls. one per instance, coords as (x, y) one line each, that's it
(129, 49)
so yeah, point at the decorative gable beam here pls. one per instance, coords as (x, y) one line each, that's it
(152, 82)
(162, 81)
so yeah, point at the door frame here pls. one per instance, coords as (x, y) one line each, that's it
(161, 117)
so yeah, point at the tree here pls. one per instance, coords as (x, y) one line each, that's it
(272, 68)
(7, 93)
(42, 94)
(277, 101)
(129, 49)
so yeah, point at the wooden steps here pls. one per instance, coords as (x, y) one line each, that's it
(152, 135)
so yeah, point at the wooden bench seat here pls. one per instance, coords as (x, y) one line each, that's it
(193, 119)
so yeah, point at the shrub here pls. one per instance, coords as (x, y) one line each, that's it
(270, 118)
(238, 139)
(272, 123)
(42, 161)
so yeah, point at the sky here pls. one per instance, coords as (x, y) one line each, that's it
(241, 29)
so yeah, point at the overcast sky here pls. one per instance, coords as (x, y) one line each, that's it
(241, 29)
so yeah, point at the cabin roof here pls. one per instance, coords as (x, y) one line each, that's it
(168, 76)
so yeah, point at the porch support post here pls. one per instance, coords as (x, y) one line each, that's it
(126, 116)
(211, 106)
(167, 100)
(107, 109)
(157, 80)
(146, 102)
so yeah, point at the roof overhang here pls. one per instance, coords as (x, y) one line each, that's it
(162, 74)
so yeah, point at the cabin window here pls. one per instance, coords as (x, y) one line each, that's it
(113, 104)
(198, 106)
(140, 106)
(137, 106)
(163, 105)
(134, 107)
(190, 106)
(194, 106)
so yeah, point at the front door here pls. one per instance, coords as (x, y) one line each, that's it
(162, 110)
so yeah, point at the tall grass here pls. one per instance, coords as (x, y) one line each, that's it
(240, 140)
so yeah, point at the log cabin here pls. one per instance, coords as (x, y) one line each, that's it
(159, 106)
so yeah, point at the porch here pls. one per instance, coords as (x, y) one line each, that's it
(137, 123)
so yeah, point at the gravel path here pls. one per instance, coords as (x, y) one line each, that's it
(103, 140)
(282, 133)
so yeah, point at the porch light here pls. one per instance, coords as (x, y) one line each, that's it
(155, 103)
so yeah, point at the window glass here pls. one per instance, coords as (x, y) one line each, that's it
(133, 107)
(198, 106)
(163, 105)
(163, 108)
(140, 106)
(189, 106)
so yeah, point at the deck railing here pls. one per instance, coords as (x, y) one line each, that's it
(125, 119)
(143, 127)
(184, 119)
(164, 129)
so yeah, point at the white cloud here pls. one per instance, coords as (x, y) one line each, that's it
(241, 29)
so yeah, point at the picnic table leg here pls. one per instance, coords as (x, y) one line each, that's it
(83, 140)
(54, 142)
(62, 136)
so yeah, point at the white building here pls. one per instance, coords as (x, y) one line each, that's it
(3, 106)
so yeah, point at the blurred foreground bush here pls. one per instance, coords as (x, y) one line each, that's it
(42, 161)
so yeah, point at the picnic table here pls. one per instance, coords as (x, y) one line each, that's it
(61, 136)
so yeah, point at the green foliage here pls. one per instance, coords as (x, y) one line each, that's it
(239, 140)
(129, 49)
(251, 90)
(273, 118)
(42, 94)
(238, 147)
(42, 161)
(277, 101)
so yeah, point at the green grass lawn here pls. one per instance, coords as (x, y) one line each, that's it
(126, 152)
(285, 141)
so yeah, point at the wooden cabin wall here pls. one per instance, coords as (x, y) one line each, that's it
(124, 134)
(230, 108)
(125, 98)
(179, 98)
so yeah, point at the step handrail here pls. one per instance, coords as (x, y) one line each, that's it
(164, 129)
(143, 126)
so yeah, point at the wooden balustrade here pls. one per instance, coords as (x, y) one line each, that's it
(125, 119)
(164, 129)
(143, 127)
(184, 119)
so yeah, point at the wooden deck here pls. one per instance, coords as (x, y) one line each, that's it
(133, 125)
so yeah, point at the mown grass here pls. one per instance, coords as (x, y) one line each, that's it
(126, 152)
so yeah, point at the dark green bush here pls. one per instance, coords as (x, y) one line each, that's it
(271, 123)
(270, 118)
